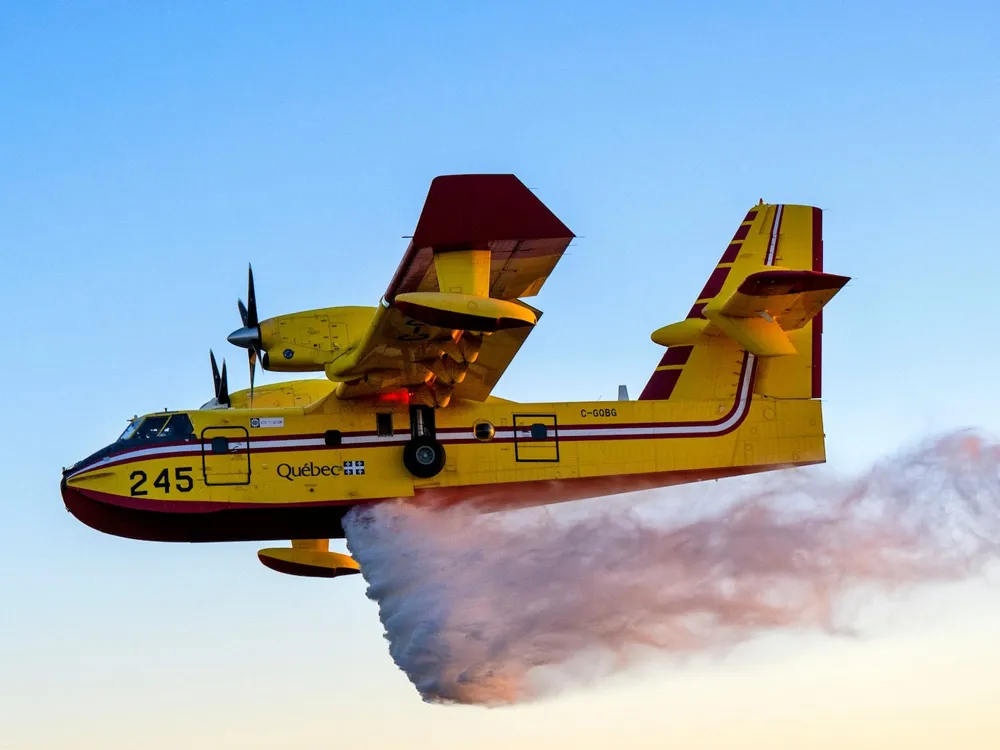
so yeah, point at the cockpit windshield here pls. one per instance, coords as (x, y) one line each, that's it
(133, 425)
(165, 427)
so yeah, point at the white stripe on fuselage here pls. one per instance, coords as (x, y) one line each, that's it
(448, 436)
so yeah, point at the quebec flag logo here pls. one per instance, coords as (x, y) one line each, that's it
(354, 468)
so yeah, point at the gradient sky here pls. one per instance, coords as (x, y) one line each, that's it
(149, 151)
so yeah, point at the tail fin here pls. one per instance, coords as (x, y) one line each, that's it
(762, 303)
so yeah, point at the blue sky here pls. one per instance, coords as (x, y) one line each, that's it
(148, 152)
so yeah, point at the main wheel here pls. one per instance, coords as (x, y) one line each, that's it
(423, 457)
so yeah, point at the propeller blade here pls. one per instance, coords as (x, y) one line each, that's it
(251, 321)
(216, 379)
(220, 381)
(248, 337)
(223, 390)
(252, 352)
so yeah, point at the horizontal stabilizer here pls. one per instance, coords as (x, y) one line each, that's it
(757, 335)
(758, 315)
(685, 333)
(790, 298)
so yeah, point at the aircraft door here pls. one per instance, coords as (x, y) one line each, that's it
(536, 437)
(225, 455)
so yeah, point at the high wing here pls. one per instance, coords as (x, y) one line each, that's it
(451, 319)
(494, 211)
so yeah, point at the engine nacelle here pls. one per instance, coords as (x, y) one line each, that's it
(307, 341)
(465, 312)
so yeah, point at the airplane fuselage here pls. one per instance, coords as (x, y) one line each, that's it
(292, 472)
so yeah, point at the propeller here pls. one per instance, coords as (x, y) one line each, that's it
(248, 337)
(221, 381)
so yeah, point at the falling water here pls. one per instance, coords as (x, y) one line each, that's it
(473, 603)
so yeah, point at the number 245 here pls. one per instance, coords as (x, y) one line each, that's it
(182, 480)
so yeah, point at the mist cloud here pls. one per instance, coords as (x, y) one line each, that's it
(472, 604)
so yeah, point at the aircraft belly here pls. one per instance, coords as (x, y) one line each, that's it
(242, 524)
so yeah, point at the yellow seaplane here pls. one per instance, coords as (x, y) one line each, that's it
(406, 408)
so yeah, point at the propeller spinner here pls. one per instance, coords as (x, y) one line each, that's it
(248, 337)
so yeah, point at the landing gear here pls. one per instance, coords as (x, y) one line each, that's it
(423, 455)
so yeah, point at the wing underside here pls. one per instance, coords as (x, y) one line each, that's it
(451, 320)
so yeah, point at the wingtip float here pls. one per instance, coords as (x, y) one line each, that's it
(406, 408)
(309, 559)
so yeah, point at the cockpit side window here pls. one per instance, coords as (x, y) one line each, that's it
(150, 428)
(178, 427)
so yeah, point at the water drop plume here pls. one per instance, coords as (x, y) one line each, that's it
(474, 604)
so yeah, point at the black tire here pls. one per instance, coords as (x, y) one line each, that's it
(423, 457)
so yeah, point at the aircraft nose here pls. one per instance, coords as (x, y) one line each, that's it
(87, 511)
(90, 510)
(244, 337)
(72, 499)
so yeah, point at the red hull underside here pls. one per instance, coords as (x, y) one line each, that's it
(324, 521)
